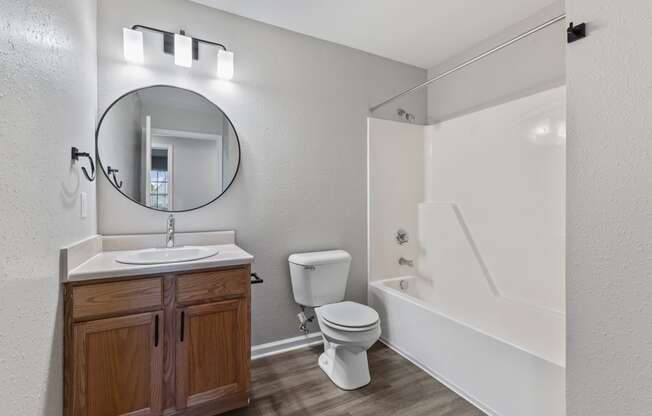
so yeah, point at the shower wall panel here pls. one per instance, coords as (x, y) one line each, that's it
(503, 169)
(395, 187)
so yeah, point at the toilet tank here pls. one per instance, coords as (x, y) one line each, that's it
(319, 278)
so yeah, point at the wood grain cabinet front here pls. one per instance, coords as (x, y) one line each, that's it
(175, 345)
(212, 352)
(118, 366)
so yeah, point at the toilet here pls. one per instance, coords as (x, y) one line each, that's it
(348, 329)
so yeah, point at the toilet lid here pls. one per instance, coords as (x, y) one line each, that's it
(349, 314)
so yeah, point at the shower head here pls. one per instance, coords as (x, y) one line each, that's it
(409, 117)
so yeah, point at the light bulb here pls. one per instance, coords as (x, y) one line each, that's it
(132, 43)
(183, 50)
(225, 64)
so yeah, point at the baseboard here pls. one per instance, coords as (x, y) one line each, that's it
(459, 391)
(285, 345)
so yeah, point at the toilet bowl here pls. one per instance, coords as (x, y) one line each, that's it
(349, 330)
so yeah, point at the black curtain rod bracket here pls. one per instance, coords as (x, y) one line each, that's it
(575, 33)
(168, 40)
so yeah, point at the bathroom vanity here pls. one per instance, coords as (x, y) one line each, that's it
(153, 325)
(157, 339)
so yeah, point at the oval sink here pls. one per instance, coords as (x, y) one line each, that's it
(167, 255)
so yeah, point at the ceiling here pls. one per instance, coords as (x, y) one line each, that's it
(423, 33)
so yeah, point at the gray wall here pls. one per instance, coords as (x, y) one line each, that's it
(120, 144)
(230, 153)
(299, 105)
(534, 64)
(195, 171)
(47, 104)
(609, 226)
(166, 117)
(196, 167)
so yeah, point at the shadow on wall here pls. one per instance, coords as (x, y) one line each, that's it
(69, 194)
(54, 386)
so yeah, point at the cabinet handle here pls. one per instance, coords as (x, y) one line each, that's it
(183, 324)
(156, 330)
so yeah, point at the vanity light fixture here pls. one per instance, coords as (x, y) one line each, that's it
(184, 48)
(132, 43)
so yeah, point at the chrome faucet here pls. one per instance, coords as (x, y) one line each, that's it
(405, 262)
(170, 232)
(402, 237)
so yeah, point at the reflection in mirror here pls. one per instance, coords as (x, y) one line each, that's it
(174, 149)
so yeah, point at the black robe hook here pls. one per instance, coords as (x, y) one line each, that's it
(112, 172)
(75, 156)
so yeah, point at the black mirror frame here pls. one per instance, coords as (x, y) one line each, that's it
(106, 175)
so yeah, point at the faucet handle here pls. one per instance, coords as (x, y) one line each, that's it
(405, 262)
(402, 237)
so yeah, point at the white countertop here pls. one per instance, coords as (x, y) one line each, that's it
(104, 264)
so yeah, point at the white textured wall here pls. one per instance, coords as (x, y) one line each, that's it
(531, 65)
(609, 210)
(299, 106)
(47, 105)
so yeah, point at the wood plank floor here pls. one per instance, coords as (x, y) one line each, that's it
(292, 384)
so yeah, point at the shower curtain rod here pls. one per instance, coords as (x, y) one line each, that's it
(470, 61)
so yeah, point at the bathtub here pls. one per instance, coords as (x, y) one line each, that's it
(505, 357)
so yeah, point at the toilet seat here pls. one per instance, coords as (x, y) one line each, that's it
(349, 316)
(348, 328)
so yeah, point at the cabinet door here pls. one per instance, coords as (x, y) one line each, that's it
(212, 351)
(118, 366)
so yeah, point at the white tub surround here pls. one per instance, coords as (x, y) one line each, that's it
(95, 258)
(482, 309)
(495, 201)
(490, 362)
(395, 171)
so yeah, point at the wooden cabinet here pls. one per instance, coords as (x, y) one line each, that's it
(211, 352)
(171, 345)
(118, 366)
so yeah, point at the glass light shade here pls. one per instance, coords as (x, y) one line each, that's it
(224, 64)
(132, 43)
(182, 50)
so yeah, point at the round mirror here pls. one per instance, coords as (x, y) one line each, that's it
(167, 148)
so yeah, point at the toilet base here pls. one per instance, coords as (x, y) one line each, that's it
(347, 370)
